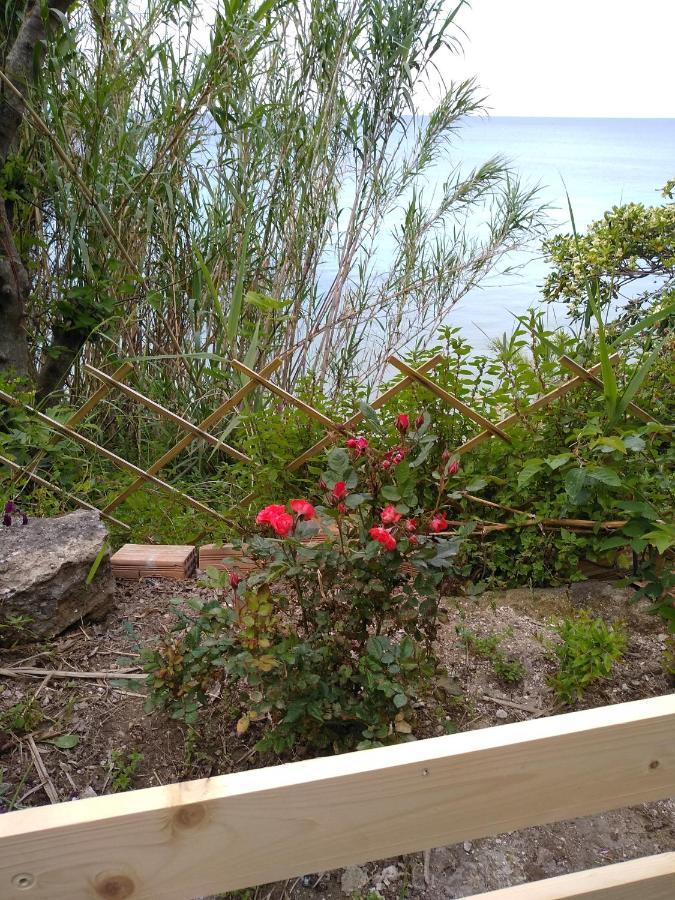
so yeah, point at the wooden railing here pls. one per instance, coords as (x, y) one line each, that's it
(181, 841)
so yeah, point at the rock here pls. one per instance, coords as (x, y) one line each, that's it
(502, 714)
(389, 874)
(43, 573)
(353, 879)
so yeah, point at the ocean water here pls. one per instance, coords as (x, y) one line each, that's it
(601, 163)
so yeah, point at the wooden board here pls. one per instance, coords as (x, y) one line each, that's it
(180, 841)
(134, 561)
(650, 878)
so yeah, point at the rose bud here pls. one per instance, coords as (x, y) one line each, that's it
(453, 468)
(419, 421)
(402, 423)
(235, 580)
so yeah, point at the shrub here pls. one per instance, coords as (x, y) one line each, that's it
(588, 650)
(329, 641)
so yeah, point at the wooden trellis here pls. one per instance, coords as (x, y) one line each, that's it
(334, 430)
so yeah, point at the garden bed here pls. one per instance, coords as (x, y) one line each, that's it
(117, 745)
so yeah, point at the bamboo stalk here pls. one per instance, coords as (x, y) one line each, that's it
(359, 417)
(167, 414)
(593, 379)
(280, 392)
(22, 470)
(541, 402)
(210, 420)
(113, 457)
(449, 398)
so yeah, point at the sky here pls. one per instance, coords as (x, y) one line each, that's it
(594, 58)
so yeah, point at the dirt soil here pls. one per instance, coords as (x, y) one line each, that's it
(106, 719)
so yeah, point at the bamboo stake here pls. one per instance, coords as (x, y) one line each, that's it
(359, 417)
(80, 414)
(210, 420)
(449, 398)
(29, 671)
(541, 402)
(113, 457)
(22, 470)
(167, 414)
(588, 376)
(280, 392)
(47, 783)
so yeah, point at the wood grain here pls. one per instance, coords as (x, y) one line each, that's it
(650, 878)
(182, 840)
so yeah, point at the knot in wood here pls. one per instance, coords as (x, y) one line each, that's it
(114, 887)
(190, 816)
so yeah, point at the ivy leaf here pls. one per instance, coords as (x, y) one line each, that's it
(400, 700)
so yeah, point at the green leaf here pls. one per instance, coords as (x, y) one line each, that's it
(400, 700)
(575, 482)
(529, 470)
(91, 574)
(64, 741)
(390, 492)
(555, 462)
(662, 537)
(608, 444)
(338, 460)
(605, 475)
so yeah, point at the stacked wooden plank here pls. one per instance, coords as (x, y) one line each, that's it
(135, 561)
(225, 556)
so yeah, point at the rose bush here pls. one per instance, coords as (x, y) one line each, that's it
(329, 642)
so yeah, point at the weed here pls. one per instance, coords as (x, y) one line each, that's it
(588, 650)
(23, 717)
(510, 670)
(124, 769)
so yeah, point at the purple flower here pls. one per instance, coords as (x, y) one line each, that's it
(9, 507)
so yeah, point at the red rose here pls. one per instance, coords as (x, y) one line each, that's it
(304, 509)
(419, 421)
(340, 490)
(386, 464)
(282, 524)
(402, 423)
(359, 445)
(266, 515)
(235, 580)
(389, 515)
(438, 523)
(342, 509)
(453, 468)
(382, 536)
(276, 516)
(410, 525)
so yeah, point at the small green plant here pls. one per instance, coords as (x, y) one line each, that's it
(588, 650)
(124, 768)
(511, 670)
(23, 717)
(668, 658)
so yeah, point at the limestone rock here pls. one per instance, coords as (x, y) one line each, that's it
(43, 573)
(353, 879)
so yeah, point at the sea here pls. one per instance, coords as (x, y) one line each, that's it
(599, 163)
